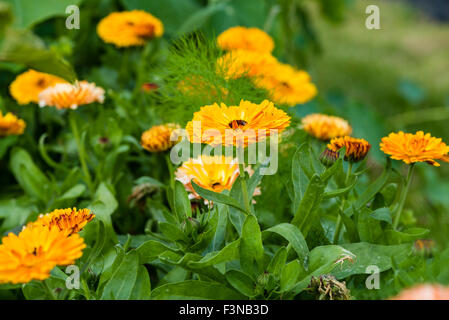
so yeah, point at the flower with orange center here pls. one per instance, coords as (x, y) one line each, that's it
(69, 221)
(325, 127)
(11, 125)
(287, 85)
(418, 147)
(356, 149)
(129, 28)
(33, 253)
(252, 39)
(239, 125)
(27, 86)
(215, 173)
(68, 96)
(424, 292)
(158, 138)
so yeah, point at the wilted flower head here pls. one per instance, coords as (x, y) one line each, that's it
(325, 127)
(33, 253)
(237, 125)
(11, 125)
(27, 86)
(69, 221)
(215, 173)
(356, 149)
(252, 39)
(418, 147)
(424, 292)
(68, 96)
(158, 138)
(129, 28)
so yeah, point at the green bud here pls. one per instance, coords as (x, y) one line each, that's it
(328, 157)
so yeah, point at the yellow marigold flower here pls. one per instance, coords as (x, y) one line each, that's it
(239, 125)
(69, 220)
(68, 96)
(288, 85)
(424, 292)
(418, 147)
(129, 28)
(33, 253)
(27, 86)
(215, 173)
(252, 39)
(356, 149)
(238, 63)
(157, 138)
(11, 125)
(325, 127)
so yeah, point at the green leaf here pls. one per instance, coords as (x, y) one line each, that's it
(339, 192)
(22, 47)
(195, 289)
(120, 285)
(369, 228)
(150, 250)
(103, 206)
(382, 214)
(217, 197)
(294, 236)
(228, 253)
(278, 261)
(308, 205)
(172, 232)
(407, 235)
(181, 201)
(98, 247)
(290, 274)
(251, 247)
(29, 176)
(27, 14)
(241, 282)
(200, 17)
(142, 287)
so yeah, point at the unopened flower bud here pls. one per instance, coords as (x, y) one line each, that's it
(328, 157)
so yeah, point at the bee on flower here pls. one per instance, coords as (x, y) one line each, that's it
(27, 86)
(325, 127)
(251, 39)
(159, 138)
(129, 28)
(11, 125)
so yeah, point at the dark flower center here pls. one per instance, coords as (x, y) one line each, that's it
(237, 124)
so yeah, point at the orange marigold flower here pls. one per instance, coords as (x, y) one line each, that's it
(325, 127)
(424, 292)
(215, 173)
(11, 125)
(129, 28)
(158, 138)
(27, 86)
(418, 147)
(356, 149)
(252, 39)
(239, 125)
(33, 253)
(68, 96)
(239, 63)
(69, 220)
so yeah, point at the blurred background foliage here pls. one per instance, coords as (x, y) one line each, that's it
(380, 80)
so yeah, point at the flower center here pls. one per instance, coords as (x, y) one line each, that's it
(237, 124)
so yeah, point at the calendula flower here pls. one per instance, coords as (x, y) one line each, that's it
(215, 173)
(68, 96)
(418, 147)
(69, 221)
(33, 253)
(27, 86)
(424, 292)
(252, 39)
(325, 127)
(287, 85)
(158, 138)
(356, 149)
(239, 63)
(11, 125)
(236, 125)
(129, 28)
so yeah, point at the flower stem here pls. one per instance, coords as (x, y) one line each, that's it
(49, 291)
(170, 170)
(403, 196)
(339, 221)
(241, 160)
(81, 151)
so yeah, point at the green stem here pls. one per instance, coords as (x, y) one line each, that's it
(339, 221)
(170, 170)
(241, 159)
(49, 291)
(81, 151)
(85, 289)
(403, 196)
